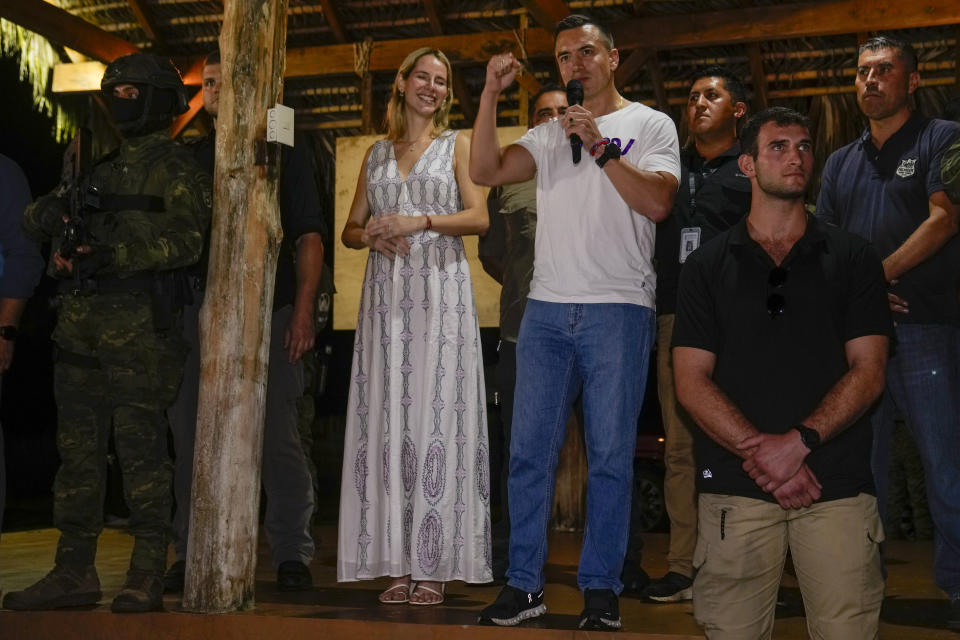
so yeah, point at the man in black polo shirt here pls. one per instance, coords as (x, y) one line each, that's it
(779, 348)
(714, 194)
(886, 187)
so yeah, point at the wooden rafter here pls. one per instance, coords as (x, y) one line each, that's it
(758, 75)
(369, 125)
(193, 75)
(630, 64)
(775, 22)
(184, 119)
(142, 13)
(333, 19)
(547, 13)
(656, 80)
(433, 15)
(64, 28)
(388, 54)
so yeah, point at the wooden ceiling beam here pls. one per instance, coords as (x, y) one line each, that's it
(388, 54)
(184, 119)
(777, 22)
(333, 19)
(433, 15)
(547, 13)
(656, 80)
(758, 77)
(630, 65)
(142, 13)
(61, 27)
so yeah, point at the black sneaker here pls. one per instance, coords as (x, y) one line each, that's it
(601, 610)
(635, 581)
(512, 607)
(953, 615)
(673, 587)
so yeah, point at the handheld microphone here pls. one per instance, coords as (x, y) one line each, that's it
(575, 96)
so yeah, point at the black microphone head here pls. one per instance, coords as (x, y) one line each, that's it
(574, 92)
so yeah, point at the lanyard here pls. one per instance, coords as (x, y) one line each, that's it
(704, 172)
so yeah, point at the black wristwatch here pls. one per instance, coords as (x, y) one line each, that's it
(809, 437)
(611, 151)
(8, 332)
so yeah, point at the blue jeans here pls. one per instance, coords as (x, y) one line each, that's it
(923, 383)
(603, 349)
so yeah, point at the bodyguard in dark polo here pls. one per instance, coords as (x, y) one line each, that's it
(120, 350)
(886, 186)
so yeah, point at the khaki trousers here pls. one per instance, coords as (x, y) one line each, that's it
(740, 555)
(679, 482)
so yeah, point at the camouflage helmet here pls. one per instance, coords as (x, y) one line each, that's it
(146, 69)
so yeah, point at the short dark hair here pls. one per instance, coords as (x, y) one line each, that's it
(547, 88)
(212, 58)
(905, 50)
(731, 82)
(577, 20)
(780, 116)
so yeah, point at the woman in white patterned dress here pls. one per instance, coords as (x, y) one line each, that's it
(414, 502)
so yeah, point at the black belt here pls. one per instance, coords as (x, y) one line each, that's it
(107, 285)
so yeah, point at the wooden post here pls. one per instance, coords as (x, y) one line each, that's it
(759, 77)
(656, 79)
(523, 106)
(570, 487)
(368, 108)
(235, 318)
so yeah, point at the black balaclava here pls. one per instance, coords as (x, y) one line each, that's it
(150, 111)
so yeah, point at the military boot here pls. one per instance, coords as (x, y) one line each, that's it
(64, 586)
(142, 592)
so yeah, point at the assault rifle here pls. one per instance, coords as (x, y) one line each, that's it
(76, 165)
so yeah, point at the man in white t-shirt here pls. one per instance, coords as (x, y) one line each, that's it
(589, 322)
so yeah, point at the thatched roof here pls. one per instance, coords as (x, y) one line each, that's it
(804, 52)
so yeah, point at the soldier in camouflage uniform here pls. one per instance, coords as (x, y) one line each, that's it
(120, 351)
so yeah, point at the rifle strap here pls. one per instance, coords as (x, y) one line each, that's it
(107, 285)
(130, 202)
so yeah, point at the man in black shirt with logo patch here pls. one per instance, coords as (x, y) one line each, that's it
(779, 348)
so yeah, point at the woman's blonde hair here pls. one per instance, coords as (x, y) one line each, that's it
(396, 119)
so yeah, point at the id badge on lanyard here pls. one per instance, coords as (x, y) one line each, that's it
(689, 242)
(690, 236)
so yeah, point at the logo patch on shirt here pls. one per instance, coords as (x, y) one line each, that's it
(707, 474)
(908, 166)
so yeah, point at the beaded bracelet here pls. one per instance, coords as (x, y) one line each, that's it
(601, 141)
(429, 224)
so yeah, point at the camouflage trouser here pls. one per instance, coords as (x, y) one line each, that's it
(113, 372)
